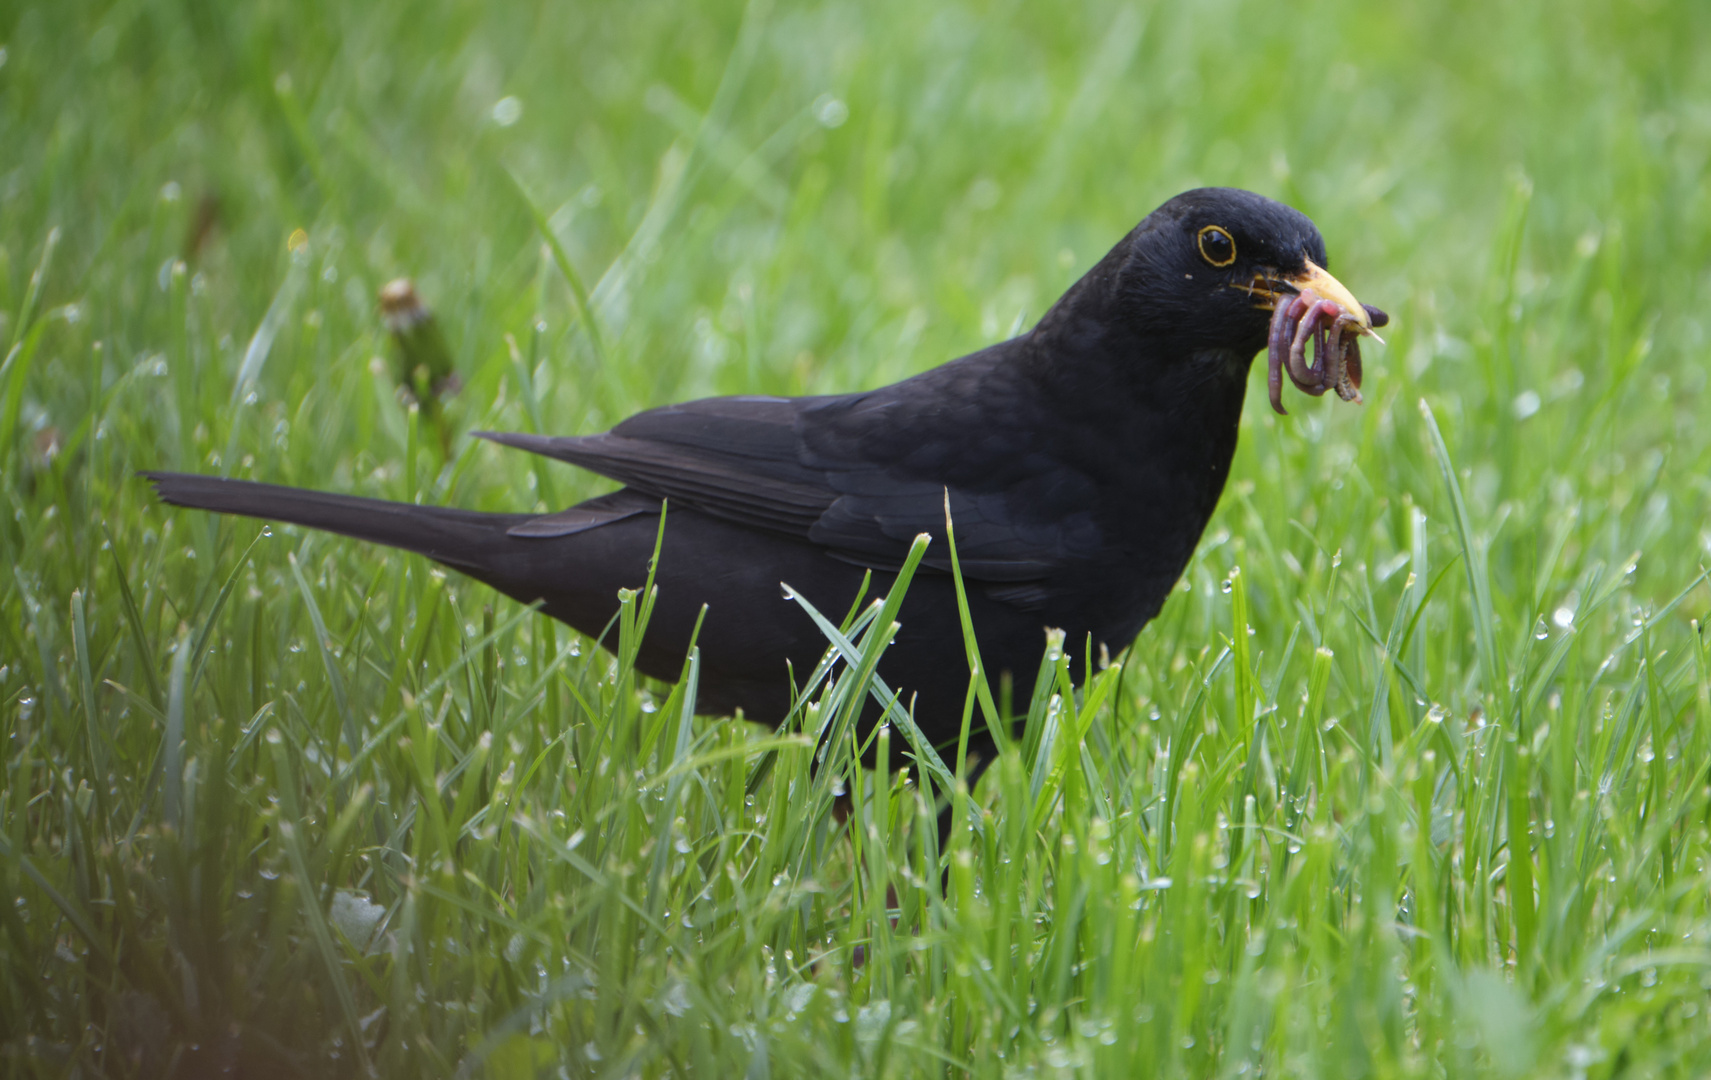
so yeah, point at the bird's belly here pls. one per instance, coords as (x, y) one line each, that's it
(752, 639)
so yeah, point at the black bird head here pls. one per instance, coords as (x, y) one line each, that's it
(1208, 268)
(1196, 285)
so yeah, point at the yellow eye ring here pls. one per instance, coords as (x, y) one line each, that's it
(1217, 246)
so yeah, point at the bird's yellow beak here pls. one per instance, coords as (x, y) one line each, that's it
(1318, 280)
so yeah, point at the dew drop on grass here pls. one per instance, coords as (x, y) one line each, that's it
(1435, 715)
(1540, 630)
(507, 111)
(830, 112)
(267, 530)
(1227, 587)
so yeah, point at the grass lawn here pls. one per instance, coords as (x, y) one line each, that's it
(1408, 779)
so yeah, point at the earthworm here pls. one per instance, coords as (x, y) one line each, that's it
(1312, 379)
(1274, 343)
(1336, 355)
(1348, 388)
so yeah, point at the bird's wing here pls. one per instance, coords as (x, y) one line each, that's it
(894, 460)
(735, 458)
(861, 475)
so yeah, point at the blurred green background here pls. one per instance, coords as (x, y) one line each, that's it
(199, 203)
(810, 199)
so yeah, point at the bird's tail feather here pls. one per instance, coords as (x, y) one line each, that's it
(463, 539)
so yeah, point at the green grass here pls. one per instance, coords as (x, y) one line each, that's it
(1409, 778)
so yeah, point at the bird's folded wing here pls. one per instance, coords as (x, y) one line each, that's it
(615, 506)
(733, 458)
(749, 460)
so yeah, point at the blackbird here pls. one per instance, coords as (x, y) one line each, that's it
(1080, 463)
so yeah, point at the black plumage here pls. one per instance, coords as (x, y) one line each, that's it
(1081, 462)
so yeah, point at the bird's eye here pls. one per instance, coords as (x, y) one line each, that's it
(1217, 246)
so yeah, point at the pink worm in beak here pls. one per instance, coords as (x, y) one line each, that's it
(1336, 355)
